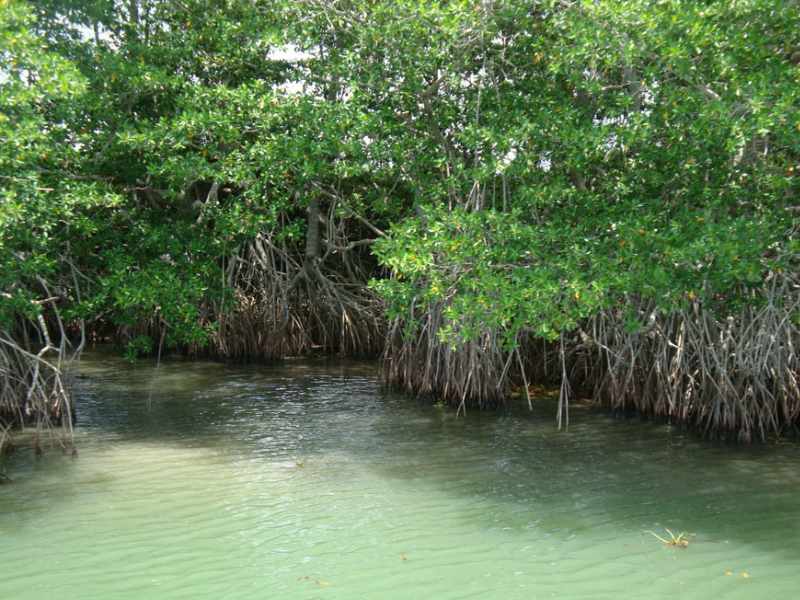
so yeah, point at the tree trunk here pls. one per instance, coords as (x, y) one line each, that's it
(312, 235)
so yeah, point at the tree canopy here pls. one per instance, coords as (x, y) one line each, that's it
(450, 179)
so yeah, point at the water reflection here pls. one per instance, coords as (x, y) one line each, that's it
(305, 481)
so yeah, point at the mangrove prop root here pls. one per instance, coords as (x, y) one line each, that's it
(474, 373)
(721, 375)
(32, 389)
(285, 306)
(736, 374)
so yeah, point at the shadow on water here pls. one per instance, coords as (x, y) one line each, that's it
(627, 469)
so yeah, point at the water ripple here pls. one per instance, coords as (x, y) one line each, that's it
(306, 481)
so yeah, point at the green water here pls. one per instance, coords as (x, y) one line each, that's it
(306, 481)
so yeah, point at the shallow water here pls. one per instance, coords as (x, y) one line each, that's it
(306, 481)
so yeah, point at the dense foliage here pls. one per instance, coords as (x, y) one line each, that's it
(444, 181)
(627, 149)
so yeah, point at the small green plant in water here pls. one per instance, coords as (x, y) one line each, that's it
(682, 540)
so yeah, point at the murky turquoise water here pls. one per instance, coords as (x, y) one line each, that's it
(305, 481)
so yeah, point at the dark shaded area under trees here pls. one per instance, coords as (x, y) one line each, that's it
(597, 195)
